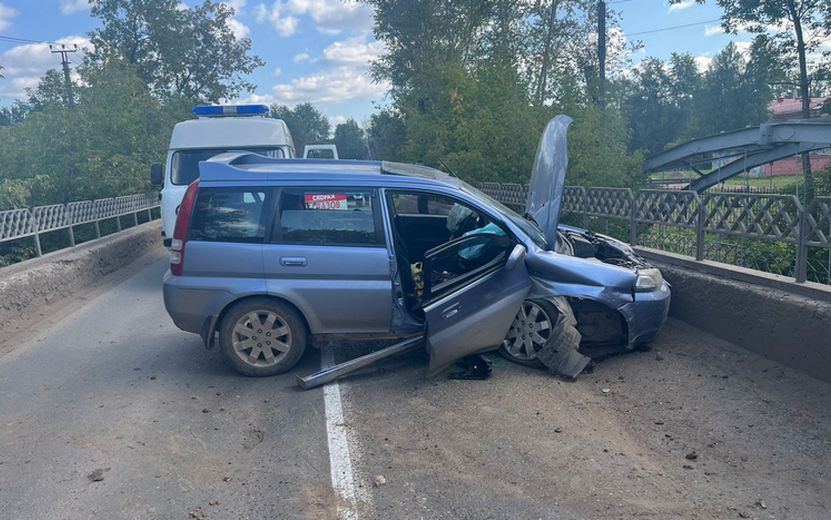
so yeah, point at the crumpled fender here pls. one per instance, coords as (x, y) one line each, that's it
(554, 274)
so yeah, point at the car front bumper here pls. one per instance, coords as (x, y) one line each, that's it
(645, 316)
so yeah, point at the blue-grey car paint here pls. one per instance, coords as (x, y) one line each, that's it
(195, 301)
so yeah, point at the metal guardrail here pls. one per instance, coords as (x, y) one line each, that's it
(22, 223)
(767, 217)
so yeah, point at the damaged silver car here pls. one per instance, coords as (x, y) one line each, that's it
(271, 255)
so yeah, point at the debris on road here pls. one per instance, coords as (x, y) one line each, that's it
(606, 390)
(206, 410)
(97, 475)
(473, 367)
(196, 514)
(691, 456)
(559, 354)
(379, 480)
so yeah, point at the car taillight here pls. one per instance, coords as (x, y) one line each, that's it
(180, 232)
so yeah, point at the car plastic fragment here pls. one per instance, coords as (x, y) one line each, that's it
(559, 354)
(327, 375)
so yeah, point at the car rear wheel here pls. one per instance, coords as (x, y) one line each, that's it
(529, 332)
(263, 337)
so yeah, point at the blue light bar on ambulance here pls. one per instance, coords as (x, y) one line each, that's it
(229, 110)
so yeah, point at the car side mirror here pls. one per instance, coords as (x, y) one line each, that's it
(516, 257)
(156, 174)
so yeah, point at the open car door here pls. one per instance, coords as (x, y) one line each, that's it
(473, 287)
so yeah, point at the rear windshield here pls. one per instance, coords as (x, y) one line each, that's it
(184, 166)
(230, 215)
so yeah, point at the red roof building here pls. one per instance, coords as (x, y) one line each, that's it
(791, 108)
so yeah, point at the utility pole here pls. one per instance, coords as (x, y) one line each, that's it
(601, 53)
(64, 51)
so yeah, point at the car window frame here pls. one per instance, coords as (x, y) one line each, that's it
(276, 231)
(265, 217)
(494, 216)
(449, 287)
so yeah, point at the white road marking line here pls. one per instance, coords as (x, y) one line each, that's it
(343, 478)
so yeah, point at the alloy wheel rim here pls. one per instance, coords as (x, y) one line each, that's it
(261, 338)
(529, 331)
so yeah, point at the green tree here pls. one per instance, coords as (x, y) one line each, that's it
(350, 140)
(387, 136)
(50, 91)
(306, 124)
(13, 114)
(734, 93)
(190, 52)
(650, 109)
(101, 147)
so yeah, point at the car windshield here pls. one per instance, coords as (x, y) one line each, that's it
(527, 227)
(184, 167)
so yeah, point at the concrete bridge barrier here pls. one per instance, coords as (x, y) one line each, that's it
(772, 315)
(29, 286)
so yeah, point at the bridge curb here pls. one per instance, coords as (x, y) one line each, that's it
(30, 285)
(767, 314)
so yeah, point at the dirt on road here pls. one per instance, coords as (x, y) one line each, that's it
(695, 428)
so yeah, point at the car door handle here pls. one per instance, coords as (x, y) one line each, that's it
(297, 261)
(451, 311)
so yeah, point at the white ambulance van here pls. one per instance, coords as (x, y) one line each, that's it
(217, 129)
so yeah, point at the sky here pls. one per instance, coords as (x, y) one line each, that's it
(319, 50)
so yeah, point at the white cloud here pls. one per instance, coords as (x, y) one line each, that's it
(300, 58)
(239, 29)
(712, 30)
(681, 6)
(335, 16)
(703, 62)
(73, 6)
(328, 16)
(743, 47)
(6, 14)
(338, 85)
(236, 5)
(353, 51)
(338, 120)
(24, 65)
(277, 72)
(285, 24)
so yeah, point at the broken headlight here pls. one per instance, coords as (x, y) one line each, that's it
(649, 279)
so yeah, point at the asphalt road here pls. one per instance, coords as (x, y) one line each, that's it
(697, 428)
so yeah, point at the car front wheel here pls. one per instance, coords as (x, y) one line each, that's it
(529, 332)
(263, 337)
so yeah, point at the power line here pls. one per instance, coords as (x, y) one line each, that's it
(673, 27)
(14, 39)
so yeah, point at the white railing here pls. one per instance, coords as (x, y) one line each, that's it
(22, 223)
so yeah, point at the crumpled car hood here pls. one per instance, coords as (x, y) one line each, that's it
(548, 177)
